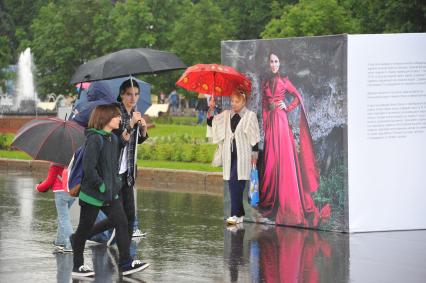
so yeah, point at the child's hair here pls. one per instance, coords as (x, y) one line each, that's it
(240, 94)
(102, 114)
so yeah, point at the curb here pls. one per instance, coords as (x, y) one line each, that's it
(188, 181)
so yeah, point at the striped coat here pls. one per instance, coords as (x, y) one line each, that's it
(246, 135)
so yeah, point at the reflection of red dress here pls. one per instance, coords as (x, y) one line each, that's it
(289, 178)
(290, 257)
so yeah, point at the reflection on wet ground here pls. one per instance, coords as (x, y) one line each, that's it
(188, 242)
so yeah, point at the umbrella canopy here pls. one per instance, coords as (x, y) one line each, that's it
(50, 139)
(127, 62)
(219, 80)
(106, 92)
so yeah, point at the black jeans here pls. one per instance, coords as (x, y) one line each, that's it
(127, 198)
(116, 217)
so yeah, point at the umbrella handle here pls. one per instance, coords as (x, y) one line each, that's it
(79, 90)
(136, 151)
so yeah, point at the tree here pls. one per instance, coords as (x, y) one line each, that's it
(197, 35)
(6, 55)
(377, 16)
(312, 17)
(131, 25)
(21, 13)
(251, 16)
(63, 39)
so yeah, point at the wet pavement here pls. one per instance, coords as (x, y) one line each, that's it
(187, 242)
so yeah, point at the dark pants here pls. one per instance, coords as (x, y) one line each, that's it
(236, 187)
(127, 198)
(116, 216)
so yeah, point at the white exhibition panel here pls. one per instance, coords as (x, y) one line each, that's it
(386, 132)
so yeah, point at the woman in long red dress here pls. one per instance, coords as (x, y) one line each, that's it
(289, 177)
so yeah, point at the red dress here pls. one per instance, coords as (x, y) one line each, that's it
(289, 178)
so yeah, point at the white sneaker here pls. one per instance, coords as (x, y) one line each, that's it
(82, 271)
(234, 220)
(231, 220)
(138, 233)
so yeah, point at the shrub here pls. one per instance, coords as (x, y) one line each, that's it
(177, 152)
(164, 151)
(6, 141)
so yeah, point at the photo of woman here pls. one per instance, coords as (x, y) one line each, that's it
(290, 174)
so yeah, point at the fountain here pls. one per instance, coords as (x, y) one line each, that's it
(25, 100)
(20, 102)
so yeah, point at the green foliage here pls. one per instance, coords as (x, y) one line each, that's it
(197, 35)
(16, 18)
(312, 17)
(333, 191)
(69, 33)
(6, 141)
(63, 39)
(64, 34)
(5, 57)
(131, 25)
(390, 16)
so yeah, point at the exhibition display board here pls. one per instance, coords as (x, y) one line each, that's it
(346, 151)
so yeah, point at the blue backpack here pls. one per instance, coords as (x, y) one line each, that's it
(75, 170)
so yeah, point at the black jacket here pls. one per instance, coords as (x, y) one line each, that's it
(101, 182)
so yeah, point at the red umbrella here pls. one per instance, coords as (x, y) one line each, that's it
(50, 139)
(219, 80)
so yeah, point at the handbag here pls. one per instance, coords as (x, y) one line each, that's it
(254, 187)
(217, 157)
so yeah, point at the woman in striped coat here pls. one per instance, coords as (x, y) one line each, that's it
(238, 130)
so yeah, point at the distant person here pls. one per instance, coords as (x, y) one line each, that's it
(182, 102)
(238, 130)
(56, 181)
(201, 108)
(162, 98)
(100, 190)
(173, 99)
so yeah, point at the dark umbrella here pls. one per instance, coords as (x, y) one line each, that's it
(127, 62)
(50, 139)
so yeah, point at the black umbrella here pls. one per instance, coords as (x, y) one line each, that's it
(50, 139)
(127, 62)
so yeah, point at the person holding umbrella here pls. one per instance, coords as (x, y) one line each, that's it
(238, 130)
(134, 125)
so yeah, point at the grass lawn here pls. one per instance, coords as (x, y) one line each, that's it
(14, 154)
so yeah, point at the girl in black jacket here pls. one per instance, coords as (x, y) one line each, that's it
(99, 190)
